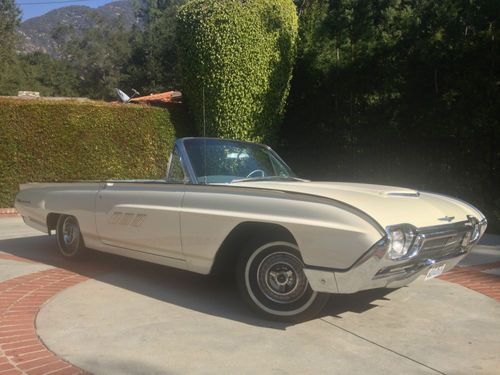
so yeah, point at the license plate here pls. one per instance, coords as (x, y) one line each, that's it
(435, 271)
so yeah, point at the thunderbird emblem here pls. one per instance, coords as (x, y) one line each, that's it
(447, 218)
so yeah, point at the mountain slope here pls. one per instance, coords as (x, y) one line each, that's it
(44, 33)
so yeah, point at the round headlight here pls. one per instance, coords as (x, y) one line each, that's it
(398, 242)
(475, 233)
(401, 241)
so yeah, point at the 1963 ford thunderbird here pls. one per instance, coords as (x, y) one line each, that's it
(230, 205)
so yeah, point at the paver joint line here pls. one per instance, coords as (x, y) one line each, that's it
(21, 349)
(382, 346)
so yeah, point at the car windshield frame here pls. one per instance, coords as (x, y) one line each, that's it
(191, 154)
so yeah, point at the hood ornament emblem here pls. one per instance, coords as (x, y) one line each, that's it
(447, 218)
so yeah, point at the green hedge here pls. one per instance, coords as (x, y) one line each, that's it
(70, 140)
(242, 54)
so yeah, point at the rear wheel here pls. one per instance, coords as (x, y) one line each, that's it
(272, 281)
(69, 237)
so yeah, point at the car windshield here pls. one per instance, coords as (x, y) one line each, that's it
(223, 161)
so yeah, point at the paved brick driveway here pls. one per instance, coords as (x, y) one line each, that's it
(483, 278)
(23, 295)
(21, 350)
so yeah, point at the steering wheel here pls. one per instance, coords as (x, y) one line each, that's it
(262, 173)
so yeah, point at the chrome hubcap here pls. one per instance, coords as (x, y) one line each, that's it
(281, 278)
(71, 233)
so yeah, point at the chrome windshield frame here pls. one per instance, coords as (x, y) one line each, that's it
(186, 163)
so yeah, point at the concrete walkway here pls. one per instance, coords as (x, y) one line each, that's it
(111, 315)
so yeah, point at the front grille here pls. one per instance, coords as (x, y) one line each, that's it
(442, 242)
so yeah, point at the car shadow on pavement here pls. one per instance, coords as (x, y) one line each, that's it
(357, 303)
(206, 294)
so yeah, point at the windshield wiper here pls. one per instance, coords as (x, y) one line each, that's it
(270, 178)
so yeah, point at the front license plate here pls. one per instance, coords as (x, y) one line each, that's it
(435, 271)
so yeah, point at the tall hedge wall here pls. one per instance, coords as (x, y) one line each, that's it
(69, 140)
(241, 54)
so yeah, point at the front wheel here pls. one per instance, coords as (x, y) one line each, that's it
(69, 237)
(272, 281)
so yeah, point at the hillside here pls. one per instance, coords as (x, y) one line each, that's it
(60, 25)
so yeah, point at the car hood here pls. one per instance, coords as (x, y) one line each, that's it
(388, 205)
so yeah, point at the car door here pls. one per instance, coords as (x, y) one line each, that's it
(143, 216)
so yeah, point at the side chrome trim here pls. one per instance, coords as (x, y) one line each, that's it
(403, 194)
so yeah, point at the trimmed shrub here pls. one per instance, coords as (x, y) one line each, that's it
(69, 140)
(237, 57)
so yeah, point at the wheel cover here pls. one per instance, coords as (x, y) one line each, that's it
(70, 235)
(292, 299)
(281, 278)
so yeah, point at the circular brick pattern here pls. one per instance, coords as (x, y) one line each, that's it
(16, 258)
(21, 350)
(4, 212)
(474, 278)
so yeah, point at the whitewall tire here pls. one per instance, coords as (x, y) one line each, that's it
(69, 237)
(271, 279)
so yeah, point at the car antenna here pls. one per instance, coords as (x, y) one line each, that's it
(204, 135)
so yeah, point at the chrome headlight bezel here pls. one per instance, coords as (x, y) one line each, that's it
(478, 229)
(403, 241)
(483, 224)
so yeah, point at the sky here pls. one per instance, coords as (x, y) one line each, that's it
(34, 8)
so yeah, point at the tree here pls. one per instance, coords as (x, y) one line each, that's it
(9, 21)
(236, 58)
(49, 76)
(400, 93)
(153, 65)
(100, 56)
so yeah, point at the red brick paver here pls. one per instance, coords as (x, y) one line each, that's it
(21, 350)
(5, 212)
(471, 277)
(16, 258)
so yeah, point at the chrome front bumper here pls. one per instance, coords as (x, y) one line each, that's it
(376, 270)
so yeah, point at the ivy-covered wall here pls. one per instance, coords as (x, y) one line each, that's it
(70, 140)
(237, 58)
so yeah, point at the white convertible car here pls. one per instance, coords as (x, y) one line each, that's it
(230, 205)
